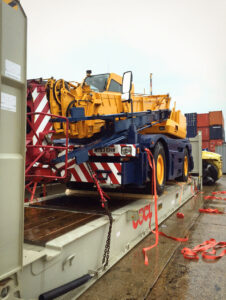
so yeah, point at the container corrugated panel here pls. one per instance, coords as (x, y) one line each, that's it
(191, 119)
(214, 143)
(205, 145)
(13, 37)
(222, 150)
(216, 118)
(217, 132)
(203, 120)
(191, 131)
(205, 133)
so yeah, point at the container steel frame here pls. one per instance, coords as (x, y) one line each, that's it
(71, 256)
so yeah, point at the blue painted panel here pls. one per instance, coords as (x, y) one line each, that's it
(191, 131)
(174, 149)
(191, 119)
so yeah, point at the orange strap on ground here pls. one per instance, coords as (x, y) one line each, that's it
(211, 245)
(210, 211)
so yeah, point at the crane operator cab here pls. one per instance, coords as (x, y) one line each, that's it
(109, 82)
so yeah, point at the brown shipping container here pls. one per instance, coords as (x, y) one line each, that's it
(214, 143)
(205, 145)
(216, 118)
(202, 120)
(205, 133)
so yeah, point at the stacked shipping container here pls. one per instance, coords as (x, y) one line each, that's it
(191, 124)
(217, 135)
(203, 126)
(210, 124)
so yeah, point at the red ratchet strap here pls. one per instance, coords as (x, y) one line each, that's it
(152, 165)
(210, 211)
(210, 245)
(103, 195)
(174, 238)
(156, 232)
(219, 192)
(213, 198)
(180, 215)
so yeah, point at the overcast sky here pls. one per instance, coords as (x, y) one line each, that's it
(182, 42)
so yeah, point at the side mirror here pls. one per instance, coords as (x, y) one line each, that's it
(126, 85)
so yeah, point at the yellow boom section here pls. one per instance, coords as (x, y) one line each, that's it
(174, 126)
(101, 95)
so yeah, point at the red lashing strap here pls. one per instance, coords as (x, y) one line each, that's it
(210, 211)
(156, 232)
(150, 156)
(207, 245)
(219, 192)
(174, 238)
(213, 198)
(180, 215)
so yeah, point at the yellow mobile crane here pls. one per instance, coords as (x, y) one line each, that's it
(101, 95)
(104, 117)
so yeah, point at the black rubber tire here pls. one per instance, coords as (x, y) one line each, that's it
(210, 173)
(159, 150)
(184, 177)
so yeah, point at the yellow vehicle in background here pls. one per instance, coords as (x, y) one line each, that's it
(212, 167)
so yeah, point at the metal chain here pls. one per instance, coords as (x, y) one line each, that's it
(108, 241)
(106, 254)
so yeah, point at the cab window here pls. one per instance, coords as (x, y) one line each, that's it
(97, 83)
(115, 86)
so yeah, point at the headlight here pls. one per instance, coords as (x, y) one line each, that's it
(126, 150)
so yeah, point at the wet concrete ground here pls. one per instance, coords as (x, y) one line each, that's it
(169, 275)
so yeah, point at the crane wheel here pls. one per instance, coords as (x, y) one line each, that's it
(160, 167)
(210, 173)
(185, 168)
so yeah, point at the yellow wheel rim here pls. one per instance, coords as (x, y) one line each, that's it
(186, 166)
(160, 169)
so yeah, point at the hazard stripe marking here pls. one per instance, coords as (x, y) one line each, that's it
(80, 173)
(75, 175)
(40, 118)
(40, 105)
(37, 101)
(118, 167)
(111, 175)
(85, 172)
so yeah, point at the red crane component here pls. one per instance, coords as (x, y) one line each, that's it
(40, 147)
